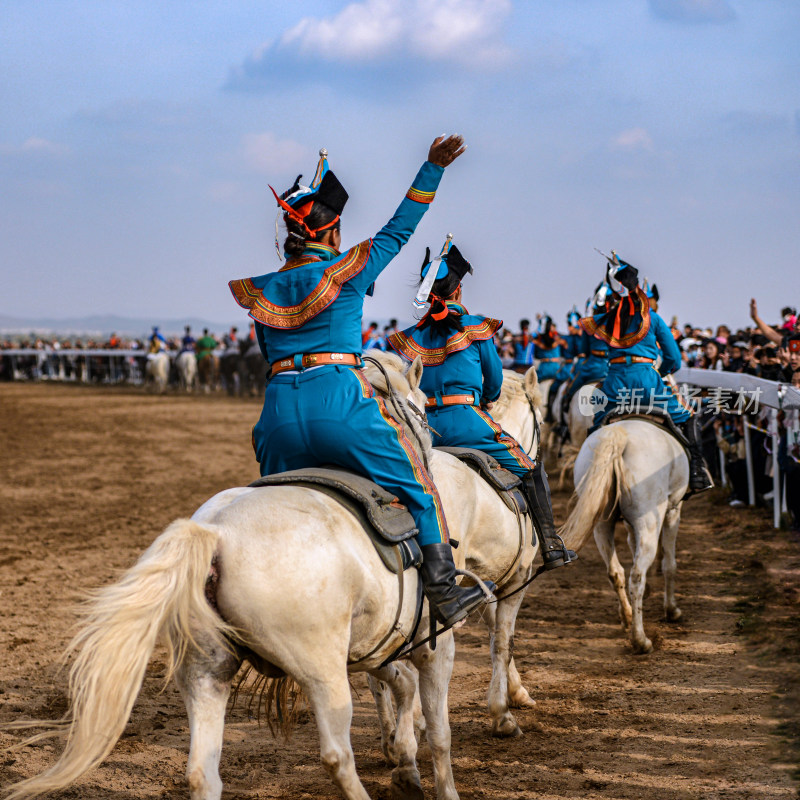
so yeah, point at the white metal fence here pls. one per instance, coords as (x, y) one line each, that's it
(85, 366)
(773, 397)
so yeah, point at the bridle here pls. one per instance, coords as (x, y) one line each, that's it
(536, 435)
(401, 408)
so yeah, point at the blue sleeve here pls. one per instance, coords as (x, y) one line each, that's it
(670, 352)
(584, 344)
(387, 242)
(492, 369)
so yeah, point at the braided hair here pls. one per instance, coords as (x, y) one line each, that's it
(319, 217)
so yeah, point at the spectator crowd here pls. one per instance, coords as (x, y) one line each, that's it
(235, 364)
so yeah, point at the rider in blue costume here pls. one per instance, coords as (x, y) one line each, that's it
(462, 369)
(573, 339)
(523, 347)
(592, 351)
(637, 337)
(318, 407)
(547, 349)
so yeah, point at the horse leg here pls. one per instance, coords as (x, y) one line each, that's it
(501, 643)
(604, 538)
(669, 566)
(204, 679)
(644, 543)
(330, 699)
(406, 783)
(518, 695)
(386, 717)
(435, 668)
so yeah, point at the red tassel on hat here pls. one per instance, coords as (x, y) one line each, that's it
(617, 323)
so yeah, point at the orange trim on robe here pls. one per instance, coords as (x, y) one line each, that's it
(323, 294)
(460, 340)
(628, 340)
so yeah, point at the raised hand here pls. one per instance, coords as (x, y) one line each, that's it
(446, 149)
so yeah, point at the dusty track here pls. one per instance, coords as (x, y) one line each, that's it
(88, 477)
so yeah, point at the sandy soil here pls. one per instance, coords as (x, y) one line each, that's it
(88, 477)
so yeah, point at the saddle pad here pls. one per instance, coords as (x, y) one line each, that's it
(388, 524)
(500, 478)
(662, 421)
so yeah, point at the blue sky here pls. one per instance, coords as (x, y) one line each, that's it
(138, 139)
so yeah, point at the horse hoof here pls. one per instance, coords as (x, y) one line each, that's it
(674, 614)
(506, 728)
(643, 648)
(521, 699)
(406, 784)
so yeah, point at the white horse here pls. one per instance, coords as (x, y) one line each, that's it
(186, 364)
(546, 448)
(579, 419)
(633, 471)
(494, 543)
(156, 371)
(578, 424)
(300, 591)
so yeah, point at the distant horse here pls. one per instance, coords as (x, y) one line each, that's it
(631, 470)
(300, 591)
(230, 370)
(208, 371)
(494, 542)
(254, 371)
(186, 364)
(578, 419)
(156, 371)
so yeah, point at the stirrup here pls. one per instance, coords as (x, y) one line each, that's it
(561, 557)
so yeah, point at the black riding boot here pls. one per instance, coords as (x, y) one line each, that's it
(537, 490)
(699, 476)
(449, 602)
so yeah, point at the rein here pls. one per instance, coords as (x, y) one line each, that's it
(536, 436)
(400, 409)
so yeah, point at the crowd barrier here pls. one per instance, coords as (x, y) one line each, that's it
(118, 366)
(86, 366)
(772, 394)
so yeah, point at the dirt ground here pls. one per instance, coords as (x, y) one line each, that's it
(88, 477)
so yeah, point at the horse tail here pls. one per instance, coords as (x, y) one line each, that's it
(161, 597)
(567, 466)
(599, 489)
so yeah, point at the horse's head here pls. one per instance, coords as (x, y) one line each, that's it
(397, 383)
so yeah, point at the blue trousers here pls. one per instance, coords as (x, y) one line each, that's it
(639, 388)
(547, 370)
(469, 426)
(329, 415)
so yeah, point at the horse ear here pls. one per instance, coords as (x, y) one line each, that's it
(414, 374)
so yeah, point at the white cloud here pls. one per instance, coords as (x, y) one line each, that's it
(633, 139)
(35, 146)
(467, 31)
(266, 153)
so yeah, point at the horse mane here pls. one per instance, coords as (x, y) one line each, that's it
(514, 389)
(395, 367)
